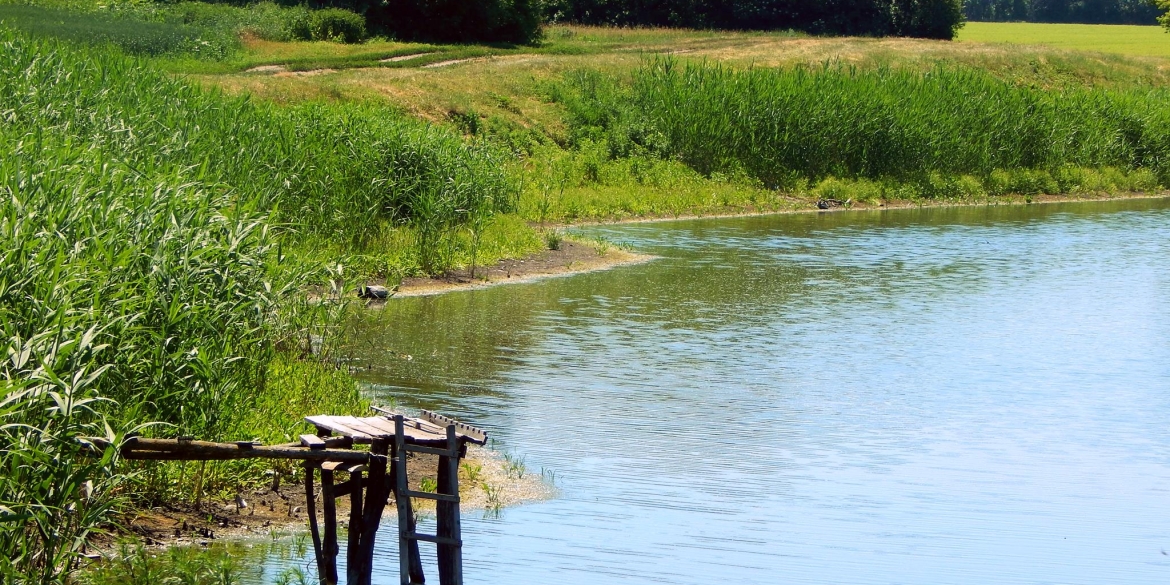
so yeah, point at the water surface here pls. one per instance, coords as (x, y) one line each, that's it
(974, 395)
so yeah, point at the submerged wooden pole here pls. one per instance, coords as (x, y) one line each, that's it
(353, 549)
(450, 554)
(311, 508)
(376, 496)
(330, 547)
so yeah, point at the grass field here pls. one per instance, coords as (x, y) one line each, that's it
(1150, 41)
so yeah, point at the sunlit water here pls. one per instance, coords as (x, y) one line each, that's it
(976, 395)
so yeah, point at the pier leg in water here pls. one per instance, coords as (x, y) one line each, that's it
(329, 509)
(376, 496)
(353, 549)
(450, 556)
(311, 509)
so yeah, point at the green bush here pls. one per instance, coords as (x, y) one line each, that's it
(335, 24)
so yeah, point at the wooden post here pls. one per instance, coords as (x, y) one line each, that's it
(328, 569)
(352, 557)
(376, 496)
(450, 556)
(311, 508)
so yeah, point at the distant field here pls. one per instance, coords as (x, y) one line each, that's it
(1106, 38)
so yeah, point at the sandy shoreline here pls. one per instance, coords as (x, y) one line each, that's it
(578, 257)
(572, 258)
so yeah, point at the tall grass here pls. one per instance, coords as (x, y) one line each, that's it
(197, 30)
(143, 277)
(784, 126)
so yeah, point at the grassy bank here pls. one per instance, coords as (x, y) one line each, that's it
(147, 283)
(162, 218)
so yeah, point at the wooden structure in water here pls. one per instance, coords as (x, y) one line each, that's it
(371, 478)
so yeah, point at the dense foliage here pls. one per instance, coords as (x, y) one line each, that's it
(784, 127)
(142, 278)
(913, 18)
(1083, 11)
(490, 21)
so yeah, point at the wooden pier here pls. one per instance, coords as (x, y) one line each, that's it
(367, 477)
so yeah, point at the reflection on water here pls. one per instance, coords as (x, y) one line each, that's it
(976, 395)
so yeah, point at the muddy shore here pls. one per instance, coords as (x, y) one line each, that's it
(488, 483)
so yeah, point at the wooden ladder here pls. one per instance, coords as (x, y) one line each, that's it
(448, 536)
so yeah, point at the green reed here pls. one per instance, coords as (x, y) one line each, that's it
(784, 126)
(144, 283)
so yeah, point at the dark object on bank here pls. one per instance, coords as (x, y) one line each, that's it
(831, 203)
(374, 292)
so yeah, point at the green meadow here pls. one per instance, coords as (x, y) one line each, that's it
(1151, 41)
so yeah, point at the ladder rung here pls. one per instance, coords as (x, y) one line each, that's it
(432, 496)
(429, 450)
(433, 538)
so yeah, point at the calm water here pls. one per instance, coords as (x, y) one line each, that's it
(921, 396)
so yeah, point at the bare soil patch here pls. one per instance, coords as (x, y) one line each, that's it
(571, 258)
(486, 482)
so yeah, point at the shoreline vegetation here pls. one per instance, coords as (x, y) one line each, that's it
(517, 271)
(169, 212)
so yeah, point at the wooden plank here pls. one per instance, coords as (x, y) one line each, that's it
(450, 552)
(330, 423)
(312, 441)
(435, 539)
(345, 466)
(432, 451)
(360, 425)
(413, 433)
(432, 496)
(474, 434)
(174, 450)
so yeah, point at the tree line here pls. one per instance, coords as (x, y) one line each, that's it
(520, 21)
(937, 19)
(1081, 11)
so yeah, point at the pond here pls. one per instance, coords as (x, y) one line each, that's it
(963, 395)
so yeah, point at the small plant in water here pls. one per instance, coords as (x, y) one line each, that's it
(548, 476)
(495, 501)
(472, 472)
(514, 466)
